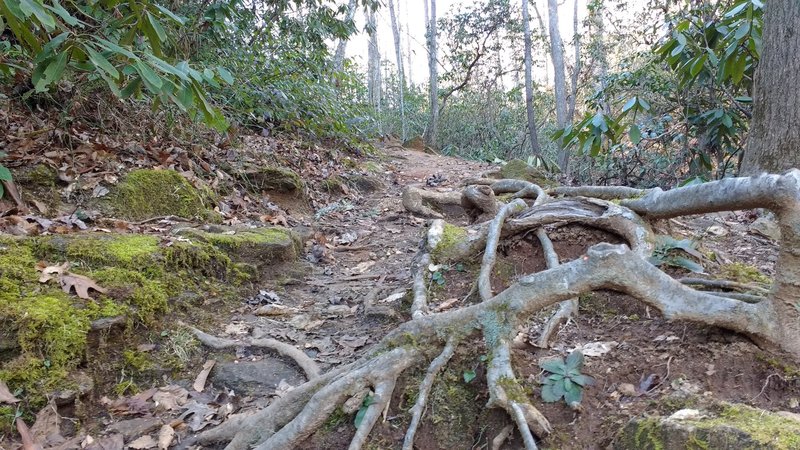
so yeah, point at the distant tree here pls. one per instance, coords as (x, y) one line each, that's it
(559, 77)
(338, 57)
(535, 147)
(433, 75)
(399, 58)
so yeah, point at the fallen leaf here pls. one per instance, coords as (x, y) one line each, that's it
(113, 442)
(165, 436)
(50, 272)
(393, 297)
(144, 442)
(47, 428)
(171, 397)
(199, 416)
(594, 349)
(5, 395)
(81, 284)
(28, 442)
(273, 310)
(200, 381)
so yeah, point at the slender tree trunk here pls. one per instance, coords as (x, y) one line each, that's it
(576, 71)
(545, 39)
(399, 57)
(773, 144)
(338, 57)
(374, 68)
(410, 77)
(559, 77)
(598, 52)
(433, 82)
(526, 27)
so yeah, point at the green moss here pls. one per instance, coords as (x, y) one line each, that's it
(451, 236)
(125, 250)
(743, 273)
(147, 193)
(766, 429)
(136, 362)
(647, 435)
(453, 409)
(40, 175)
(147, 297)
(279, 179)
(8, 415)
(338, 417)
(333, 185)
(514, 390)
(257, 245)
(696, 443)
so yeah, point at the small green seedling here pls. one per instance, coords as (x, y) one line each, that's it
(368, 400)
(565, 379)
(438, 277)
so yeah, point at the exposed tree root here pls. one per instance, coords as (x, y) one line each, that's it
(566, 309)
(432, 336)
(308, 365)
(424, 389)
(724, 284)
(417, 201)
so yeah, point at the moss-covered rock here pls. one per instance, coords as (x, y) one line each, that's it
(46, 331)
(147, 193)
(366, 184)
(445, 248)
(724, 426)
(255, 246)
(273, 179)
(521, 170)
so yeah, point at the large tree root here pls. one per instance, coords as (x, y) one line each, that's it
(432, 338)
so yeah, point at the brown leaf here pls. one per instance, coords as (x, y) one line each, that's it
(165, 436)
(47, 427)
(13, 192)
(81, 284)
(143, 442)
(5, 395)
(200, 381)
(28, 442)
(50, 272)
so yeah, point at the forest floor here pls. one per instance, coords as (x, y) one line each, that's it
(354, 287)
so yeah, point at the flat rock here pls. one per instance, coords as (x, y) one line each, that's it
(256, 246)
(721, 426)
(256, 377)
(133, 428)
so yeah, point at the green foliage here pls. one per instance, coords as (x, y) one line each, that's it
(5, 175)
(365, 404)
(665, 253)
(565, 379)
(125, 44)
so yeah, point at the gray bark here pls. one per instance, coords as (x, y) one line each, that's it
(546, 39)
(559, 77)
(536, 149)
(338, 57)
(573, 98)
(374, 66)
(773, 144)
(433, 82)
(399, 57)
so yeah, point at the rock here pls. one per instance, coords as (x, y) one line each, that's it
(147, 193)
(521, 170)
(366, 184)
(83, 384)
(257, 246)
(273, 179)
(133, 428)
(256, 377)
(721, 426)
(767, 228)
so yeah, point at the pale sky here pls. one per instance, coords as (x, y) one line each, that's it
(411, 15)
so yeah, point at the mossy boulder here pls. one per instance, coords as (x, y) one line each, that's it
(46, 331)
(273, 179)
(445, 241)
(723, 426)
(38, 182)
(258, 247)
(366, 184)
(148, 193)
(521, 170)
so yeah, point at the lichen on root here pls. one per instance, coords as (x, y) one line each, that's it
(429, 339)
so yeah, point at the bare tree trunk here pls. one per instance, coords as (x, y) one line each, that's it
(338, 57)
(374, 67)
(576, 70)
(526, 27)
(409, 78)
(433, 82)
(559, 77)
(543, 33)
(774, 141)
(599, 55)
(399, 57)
